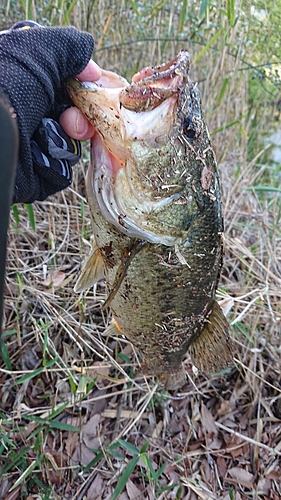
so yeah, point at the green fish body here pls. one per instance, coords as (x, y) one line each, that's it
(154, 195)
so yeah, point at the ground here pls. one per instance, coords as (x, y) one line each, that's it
(79, 420)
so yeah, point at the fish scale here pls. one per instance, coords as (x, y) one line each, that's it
(154, 195)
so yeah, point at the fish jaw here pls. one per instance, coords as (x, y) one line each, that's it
(136, 130)
(125, 115)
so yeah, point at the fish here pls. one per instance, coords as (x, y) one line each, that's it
(154, 195)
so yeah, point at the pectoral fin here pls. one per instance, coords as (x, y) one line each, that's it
(211, 352)
(113, 330)
(92, 271)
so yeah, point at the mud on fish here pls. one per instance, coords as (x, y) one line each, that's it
(154, 195)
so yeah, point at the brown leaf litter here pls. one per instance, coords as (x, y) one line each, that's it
(218, 436)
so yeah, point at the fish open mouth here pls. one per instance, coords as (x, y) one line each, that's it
(122, 204)
(134, 124)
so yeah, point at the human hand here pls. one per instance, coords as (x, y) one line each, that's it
(34, 62)
(72, 120)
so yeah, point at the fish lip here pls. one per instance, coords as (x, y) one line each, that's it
(179, 65)
(165, 73)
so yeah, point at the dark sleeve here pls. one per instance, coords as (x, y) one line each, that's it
(33, 64)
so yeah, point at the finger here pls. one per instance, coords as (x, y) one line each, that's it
(75, 124)
(91, 73)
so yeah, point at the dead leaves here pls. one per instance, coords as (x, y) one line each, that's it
(241, 476)
(213, 436)
(88, 441)
(96, 488)
(54, 278)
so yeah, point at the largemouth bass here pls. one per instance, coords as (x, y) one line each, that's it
(154, 195)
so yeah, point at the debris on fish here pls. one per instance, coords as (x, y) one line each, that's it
(154, 195)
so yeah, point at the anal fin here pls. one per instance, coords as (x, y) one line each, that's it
(211, 352)
(92, 270)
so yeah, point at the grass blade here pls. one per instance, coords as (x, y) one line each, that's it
(128, 446)
(14, 462)
(230, 11)
(228, 125)
(33, 418)
(93, 462)
(125, 476)
(59, 410)
(264, 189)
(26, 473)
(63, 426)
(68, 11)
(30, 10)
(5, 354)
(6, 440)
(160, 471)
(144, 447)
(223, 89)
(203, 7)
(209, 44)
(30, 213)
(16, 214)
(148, 465)
(182, 15)
(240, 327)
(231, 495)
(134, 7)
(36, 372)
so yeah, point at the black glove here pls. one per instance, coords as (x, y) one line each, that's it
(33, 63)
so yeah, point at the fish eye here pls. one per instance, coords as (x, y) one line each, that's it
(189, 132)
(189, 128)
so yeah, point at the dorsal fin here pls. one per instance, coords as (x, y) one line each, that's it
(211, 352)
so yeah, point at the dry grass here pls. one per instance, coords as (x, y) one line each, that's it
(218, 438)
(215, 435)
